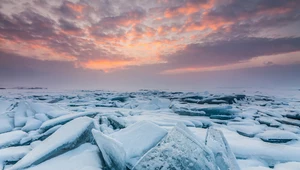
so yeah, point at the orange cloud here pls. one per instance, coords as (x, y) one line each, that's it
(187, 9)
(144, 33)
(125, 20)
(76, 7)
(34, 49)
(105, 64)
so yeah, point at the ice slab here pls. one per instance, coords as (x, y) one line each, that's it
(138, 138)
(4, 105)
(32, 124)
(20, 113)
(116, 122)
(268, 121)
(50, 110)
(68, 136)
(41, 116)
(293, 115)
(248, 130)
(11, 138)
(111, 150)
(63, 119)
(13, 154)
(6, 124)
(225, 158)
(81, 158)
(180, 149)
(213, 111)
(277, 136)
(271, 153)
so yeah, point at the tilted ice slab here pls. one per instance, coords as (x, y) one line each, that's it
(63, 119)
(20, 115)
(225, 158)
(32, 124)
(81, 158)
(13, 154)
(4, 105)
(138, 138)
(180, 149)
(66, 137)
(112, 151)
(11, 138)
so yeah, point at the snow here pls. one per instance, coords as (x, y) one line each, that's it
(84, 157)
(180, 149)
(66, 136)
(11, 138)
(288, 166)
(245, 163)
(138, 138)
(111, 150)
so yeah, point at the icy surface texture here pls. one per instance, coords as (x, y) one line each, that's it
(261, 126)
(225, 158)
(180, 149)
(138, 138)
(112, 151)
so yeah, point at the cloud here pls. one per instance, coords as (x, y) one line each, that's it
(116, 35)
(69, 26)
(27, 25)
(187, 8)
(232, 51)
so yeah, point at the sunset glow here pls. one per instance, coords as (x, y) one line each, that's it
(169, 36)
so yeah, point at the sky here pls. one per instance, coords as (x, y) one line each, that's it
(163, 44)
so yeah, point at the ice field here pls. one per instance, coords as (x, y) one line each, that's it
(223, 129)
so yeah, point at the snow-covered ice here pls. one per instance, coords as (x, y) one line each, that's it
(277, 136)
(180, 149)
(11, 138)
(84, 157)
(138, 138)
(32, 124)
(66, 137)
(6, 124)
(48, 129)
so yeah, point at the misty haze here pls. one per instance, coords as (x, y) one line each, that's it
(149, 85)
